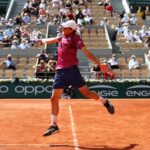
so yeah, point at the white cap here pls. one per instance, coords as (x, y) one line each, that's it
(70, 24)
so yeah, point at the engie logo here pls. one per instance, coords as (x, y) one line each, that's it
(105, 90)
(138, 90)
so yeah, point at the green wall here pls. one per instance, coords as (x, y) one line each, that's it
(106, 89)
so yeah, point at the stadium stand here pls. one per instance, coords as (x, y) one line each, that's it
(97, 38)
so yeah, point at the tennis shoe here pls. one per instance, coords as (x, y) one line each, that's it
(110, 108)
(51, 130)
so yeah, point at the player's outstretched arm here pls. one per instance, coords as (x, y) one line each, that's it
(49, 40)
(90, 56)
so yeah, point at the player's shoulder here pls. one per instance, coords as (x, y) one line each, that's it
(77, 36)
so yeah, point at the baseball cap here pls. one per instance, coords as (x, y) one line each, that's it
(70, 24)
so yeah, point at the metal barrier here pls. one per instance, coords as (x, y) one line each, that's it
(9, 9)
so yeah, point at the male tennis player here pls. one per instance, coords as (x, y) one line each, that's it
(67, 72)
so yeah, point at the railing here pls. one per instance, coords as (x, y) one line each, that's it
(126, 6)
(47, 31)
(9, 9)
(107, 37)
(147, 61)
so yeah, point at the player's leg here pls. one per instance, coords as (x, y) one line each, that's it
(56, 94)
(93, 95)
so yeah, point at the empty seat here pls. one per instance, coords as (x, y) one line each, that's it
(20, 73)
(117, 73)
(30, 73)
(136, 73)
(126, 73)
(9, 74)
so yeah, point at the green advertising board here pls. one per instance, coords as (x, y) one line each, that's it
(139, 2)
(106, 89)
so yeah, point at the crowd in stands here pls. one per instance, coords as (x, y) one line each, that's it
(131, 36)
(20, 34)
(8, 63)
(45, 66)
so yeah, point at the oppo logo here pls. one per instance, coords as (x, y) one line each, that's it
(33, 89)
(106, 90)
(138, 90)
(4, 89)
(25, 90)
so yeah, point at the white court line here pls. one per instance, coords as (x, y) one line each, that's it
(26, 107)
(32, 145)
(75, 140)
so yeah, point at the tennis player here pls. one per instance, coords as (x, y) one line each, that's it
(67, 72)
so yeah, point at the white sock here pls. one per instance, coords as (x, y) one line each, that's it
(103, 100)
(53, 120)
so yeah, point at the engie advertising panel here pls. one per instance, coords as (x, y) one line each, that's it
(44, 90)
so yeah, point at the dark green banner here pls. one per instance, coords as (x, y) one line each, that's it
(139, 2)
(106, 89)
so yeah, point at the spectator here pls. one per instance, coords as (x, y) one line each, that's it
(86, 11)
(68, 4)
(128, 36)
(41, 20)
(26, 19)
(18, 20)
(40, 67)
(139, 12)
(106, 3)
(143, 32)
(125, 28)
(88, 20)
(113, 62)
(70, 14)
(125, 19)
(104, 22)
(56, 19)
(1, 35)
(42, 56)
(42, 12)
(56, 3)
(9, 32)
(147, 42)
(122, 14)
(9, 63)
(3, 21)
(148, 55)
(59, 31)
(15, 40)
(49, 13)
(96, 72)
(76, 2)
(27, 4)
(133, 20)
(10, 23)
(119, 29)
(24, 45)
(14, 45)
(80, 29)
(80, 17)
(147, 11)
(133, 63)
(136, 37)
(63, 12)
(109, 9)
(132, 9)
(51, 65)
(42, 5)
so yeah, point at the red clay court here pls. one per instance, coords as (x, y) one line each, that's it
(84, 124)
